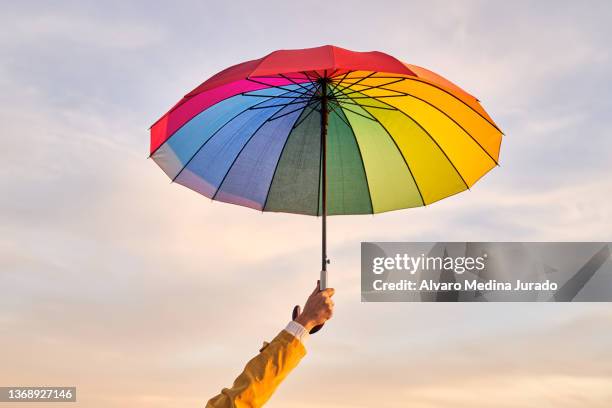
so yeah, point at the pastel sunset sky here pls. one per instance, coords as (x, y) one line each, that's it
(143, 293)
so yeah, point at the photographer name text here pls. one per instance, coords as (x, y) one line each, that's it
(430, 285)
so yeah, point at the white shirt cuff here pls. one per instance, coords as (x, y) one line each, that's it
(297, 330)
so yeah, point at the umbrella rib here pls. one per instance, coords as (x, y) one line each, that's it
(242, 149)
(436, 143)
(381, 77)
(445, 114)
(314, 108)
(316, 85)
(333, 110)
(295, 125)
(332, 74)
(368, 87)
(365, 174)
(300, 85)
(276, 77)
(360, 80)
(314, 75)
(279, 97)
(288, 113)
(369, 106)
(366, 97)
(310, 103)
(281, 104)
(343, 74)
(344, 77)
(356, 113)
(346, 95)
(274, 86)
(213, 135)
(309, 77)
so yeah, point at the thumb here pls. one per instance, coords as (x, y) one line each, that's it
(316, 289)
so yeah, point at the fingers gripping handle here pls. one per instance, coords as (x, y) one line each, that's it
(322, 286)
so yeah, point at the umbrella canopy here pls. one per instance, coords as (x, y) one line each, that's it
(326, 131)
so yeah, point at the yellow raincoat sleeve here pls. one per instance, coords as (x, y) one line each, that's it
(262, 374)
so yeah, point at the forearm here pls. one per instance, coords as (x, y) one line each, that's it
(263, 374)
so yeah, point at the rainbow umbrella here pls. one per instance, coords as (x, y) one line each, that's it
(326, 131)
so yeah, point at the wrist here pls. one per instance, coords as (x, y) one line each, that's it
(308, 324)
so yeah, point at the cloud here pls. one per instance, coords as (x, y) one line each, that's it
(71, 26)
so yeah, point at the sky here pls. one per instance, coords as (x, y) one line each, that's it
(143, 293)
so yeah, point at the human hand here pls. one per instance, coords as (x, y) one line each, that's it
(318, 309)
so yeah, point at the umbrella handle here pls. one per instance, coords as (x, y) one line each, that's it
(296, 313)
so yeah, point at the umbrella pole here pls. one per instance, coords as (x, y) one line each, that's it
(324, 260)
(324, 113)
